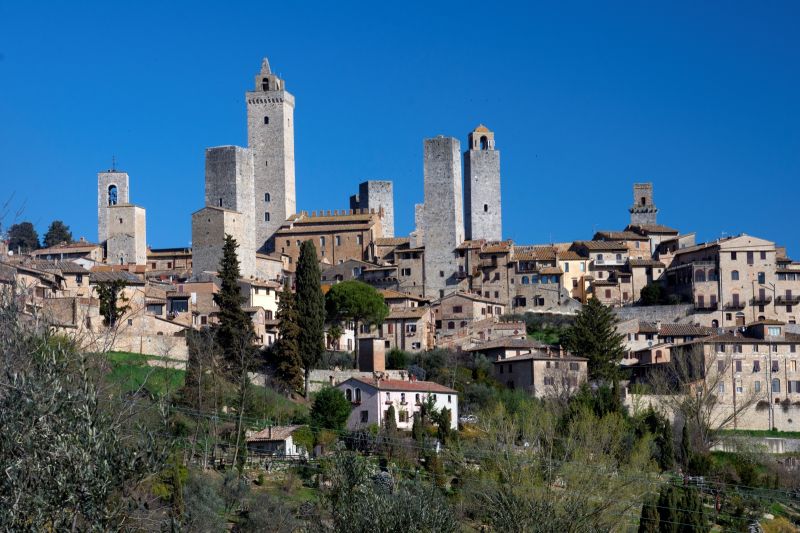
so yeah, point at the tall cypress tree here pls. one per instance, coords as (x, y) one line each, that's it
(593, 335)
(235, 333)
(649, 521)
(310, 305)
(286, 352)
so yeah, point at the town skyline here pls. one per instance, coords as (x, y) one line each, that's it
(347, 144)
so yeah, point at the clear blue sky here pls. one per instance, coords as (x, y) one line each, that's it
(585, 98)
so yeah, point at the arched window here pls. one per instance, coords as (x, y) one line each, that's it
(485, 208)
(265, 84)
(267, 197)
(112, 195)
(266, 217)
(735, 275)
(715, 323)
(525, 280)
(644, 200)
(619, 257)
(463, 323)
(658, 355)
(700, 275)
(451, 325)
(358, 395)
(776, 385)
(484, 143)
(349, 395)
(712, 275)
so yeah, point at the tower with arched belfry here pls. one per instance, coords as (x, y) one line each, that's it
(270, 138)
(483, 217)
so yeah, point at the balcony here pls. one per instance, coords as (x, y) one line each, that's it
(761, 300)
(788, 300)
(609, 262)
(706, 306)
(488, 263)
(734, 305)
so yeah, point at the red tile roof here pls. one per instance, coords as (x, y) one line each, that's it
(405, 386)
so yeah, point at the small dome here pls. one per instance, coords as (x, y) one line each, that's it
(482, 129)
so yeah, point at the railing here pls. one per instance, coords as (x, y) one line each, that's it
(734, 305)
(707, 306)
(609, 262)
(761, 300)
(788, 300)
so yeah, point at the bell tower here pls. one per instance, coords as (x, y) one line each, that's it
(483, 218)
(270, 138)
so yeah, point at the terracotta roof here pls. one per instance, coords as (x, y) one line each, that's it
(647, 327)
(404, 386)
(73, 248)
(272, 434)
(602, 245)
(65, 267)
(470, 296)
(323, 228)
(262, 283)
(570, 255)
(302, 218)
(534, 253)
(538, 356)
(391, 241)
(468, 245)
(767, 322)
(652, 228)
(390, 293)
(115, 275)
(481, 129)
(685, 330)
(168, 252)
(619, 236)
(645, 263)
(497, 247)
(507, 342)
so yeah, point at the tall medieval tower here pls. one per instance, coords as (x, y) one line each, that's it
(113, 188)
(443, 216)
(270, 138)
(482, 214)
(643, 210)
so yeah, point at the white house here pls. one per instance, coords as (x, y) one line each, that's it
(371, 399)
(275, 440)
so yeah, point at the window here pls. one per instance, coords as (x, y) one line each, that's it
(721, 387)
(267, 197)
(485, 208)
(573, 366)
(79, 279)
(739, 388)
(403, 398)
(322, 242)
(403, 416)
(574, 283)
(566, 267)
(548, 380)
(266, 217)
(358, 395)
(359, 239)
(405, 271)
(451, 325)
(458, 309)
(793, 386)
(734, 275)
(733, 256)
(525, 280)
(720, 366)
(793, 348)
(608, 293)
(757, 386)
(776, 385)
(266, 120)
(364, 416)
(738, 365)
(762, 278)
(416, 398)
(774, 331)
(338, 240)
(349, 395)
(411, 328)
(112, 195)
(737, 348)
(749, 258)
(776, 366)
(441, 273)
(763, 256)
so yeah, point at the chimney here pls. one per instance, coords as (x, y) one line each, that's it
(270, 432)
(658, 326)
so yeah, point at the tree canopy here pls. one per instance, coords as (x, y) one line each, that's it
(57, 233)
(330, 409)
(355, 300)
(593, 335)
(310, 303)
(22, 238)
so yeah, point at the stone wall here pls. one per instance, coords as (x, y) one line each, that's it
(663, 313)
(443, 225)
(209, 227)
(229, 185)
(270, 138)
(127, 235)
(330, 378)
(376, 195)
(105, 180)
(482, 209)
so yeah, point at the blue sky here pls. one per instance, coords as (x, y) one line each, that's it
(585, 98)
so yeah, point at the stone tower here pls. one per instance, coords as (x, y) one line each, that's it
(376, 195)
(112, 189)
(643, 210)
(127, 235)
(270, 138)
(229, 186)
(482, 212)
(443, 220)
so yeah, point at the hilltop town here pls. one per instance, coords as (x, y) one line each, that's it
(454, 285)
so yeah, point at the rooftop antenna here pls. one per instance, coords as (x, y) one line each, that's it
(113, 163)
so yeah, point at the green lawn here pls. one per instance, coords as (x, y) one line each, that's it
(132, 372)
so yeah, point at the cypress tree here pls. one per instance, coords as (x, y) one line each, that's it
(235, 333)
(593, 335)
(287, 362)
(669, 514)
(648, 522)
(310, 305)
(686, 447)
(693, 518)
